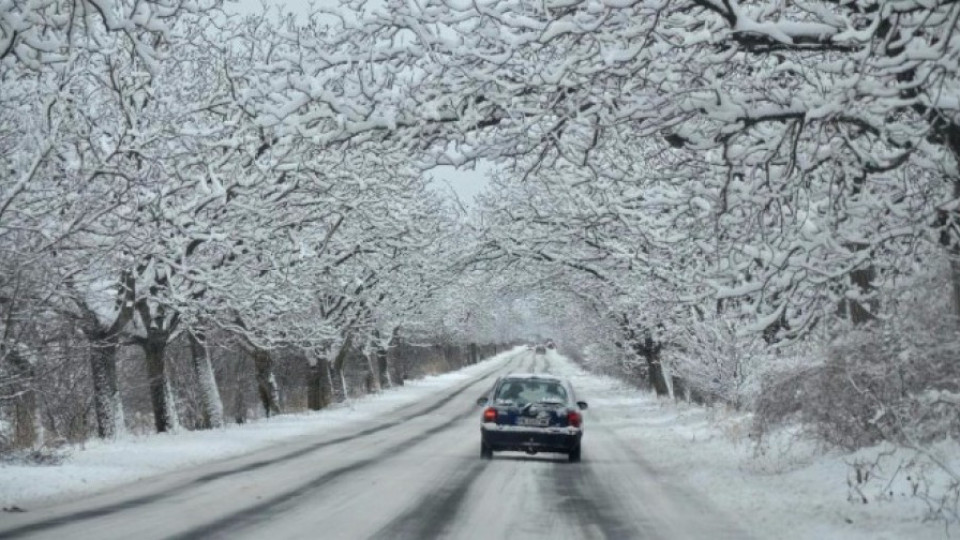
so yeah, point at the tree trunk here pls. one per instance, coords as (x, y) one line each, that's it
(950, 229)
(345, 391)
(104, 343)
(210, 403)
(240, 403)
(383, 367)
(314, 402)
(338, 378)
(382, 352)
(680, 389)
(107, 405)
(28, 425)
(326, 382)
(339, 383)
(398, 365)
(955, 285)
(657, 379)
(950, 226)
(266, 382)
(161, 394)
(649, 349)
(171, 401)
(373, 369)
(862, 279)
(319, 386)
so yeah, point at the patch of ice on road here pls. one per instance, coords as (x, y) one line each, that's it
(788, 490)
(97, 465)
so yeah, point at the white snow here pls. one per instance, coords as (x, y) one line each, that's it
(790, 490)
(101, 464)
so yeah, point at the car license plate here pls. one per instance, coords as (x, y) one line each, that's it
(537, 422)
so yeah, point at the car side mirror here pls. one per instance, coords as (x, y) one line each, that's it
(482, 400)
(582, 404)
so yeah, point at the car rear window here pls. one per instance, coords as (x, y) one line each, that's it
(519, 392)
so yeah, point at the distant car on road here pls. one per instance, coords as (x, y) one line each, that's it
(540, 349)
(531, 413)
(550, 344)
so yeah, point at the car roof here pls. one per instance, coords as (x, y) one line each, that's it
(541, 376)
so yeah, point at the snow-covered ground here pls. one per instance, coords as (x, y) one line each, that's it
(790, 490)
(98, 465)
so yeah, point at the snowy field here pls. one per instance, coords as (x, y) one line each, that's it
(789, 491)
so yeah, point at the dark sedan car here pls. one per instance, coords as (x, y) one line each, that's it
(531, 413)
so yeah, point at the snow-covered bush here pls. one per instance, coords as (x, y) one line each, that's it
(894, 381)
(603, 358)
(922, 477)
(714, 360)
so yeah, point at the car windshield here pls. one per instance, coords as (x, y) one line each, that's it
(531, 391)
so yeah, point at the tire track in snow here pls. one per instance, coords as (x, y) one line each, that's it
(236, 521)
(432, 515)
(697, 519)
(106, 510)
(532, 363)
(584, 498)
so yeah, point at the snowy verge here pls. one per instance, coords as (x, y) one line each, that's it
(786, 488)
(98, 465)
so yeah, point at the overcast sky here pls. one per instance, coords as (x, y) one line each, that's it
(466, 183)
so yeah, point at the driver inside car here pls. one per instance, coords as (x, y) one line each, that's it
(511, 393)
(555, 392)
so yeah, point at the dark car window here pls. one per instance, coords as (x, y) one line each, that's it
(532, 391)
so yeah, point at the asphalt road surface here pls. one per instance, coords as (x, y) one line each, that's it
(412, 474)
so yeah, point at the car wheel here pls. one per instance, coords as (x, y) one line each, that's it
(485, 451)
(574, 454)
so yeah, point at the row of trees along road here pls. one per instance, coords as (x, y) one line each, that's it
(153, 201)
(712, 182)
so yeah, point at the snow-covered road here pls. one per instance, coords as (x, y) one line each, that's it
(412, 473)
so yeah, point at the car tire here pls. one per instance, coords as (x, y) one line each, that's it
(485, 451)
(574, 455)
